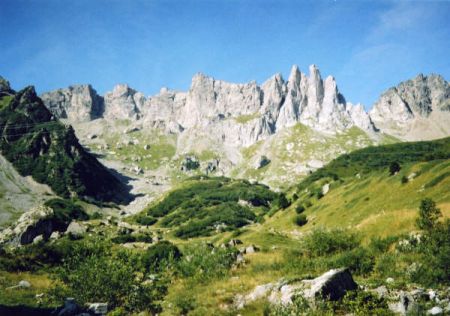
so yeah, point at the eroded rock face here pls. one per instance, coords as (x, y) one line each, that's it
(415, 109)
(123, 103)
(239, 115)
(78, 103)
(233, 114)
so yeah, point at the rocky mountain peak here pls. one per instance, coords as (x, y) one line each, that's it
(415, 109)
(4, 85)
(123, 103)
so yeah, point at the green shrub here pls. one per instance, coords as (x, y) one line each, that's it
(404, 180)
(299, 209)
(361, 303)
(358, 260)
(428, 215)
(394, 167)
(96, 215)
(146, 220)
(185, 303)
(282, 202)
(223, 217)
(158, 256)
(435, 250)
(109, 278)
(122, 239)
(322, 242)
(64, 211)
(208, 205)
(380, 245)
(203, 262)
(300, 220)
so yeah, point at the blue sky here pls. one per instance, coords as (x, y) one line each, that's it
(367, 45)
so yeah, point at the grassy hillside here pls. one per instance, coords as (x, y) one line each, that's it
(203, 206)
(297, 150)
(361, 222)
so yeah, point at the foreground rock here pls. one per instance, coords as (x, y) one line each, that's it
(332, 285)
(30, 225)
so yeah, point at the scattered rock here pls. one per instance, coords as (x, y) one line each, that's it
(381, 291)
(55, 235)
(262, 162)
(435, 311)
(325, 188)
(405, 304)
(190, 163)
(389, 280)
(76, 230)
(92, 136)
(251, 249)
(234, 242)
(38, 239)
(146, 147)
(98, 308)
(240, 259)
(24, 284)
(131, 130)
(70, 308)
(432, 294)
(211, 166)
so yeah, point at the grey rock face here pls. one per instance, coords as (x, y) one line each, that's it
(237, 115)
(331, 285)
(416, 109)
(78, 103)
(123, 103)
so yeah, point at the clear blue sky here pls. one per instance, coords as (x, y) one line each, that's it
(367, 45)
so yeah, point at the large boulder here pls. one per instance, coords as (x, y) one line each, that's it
(332, 285)
(76, 229)
(406, 305)
(31, 224)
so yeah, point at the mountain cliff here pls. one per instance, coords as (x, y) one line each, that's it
(416, 109)
(298, 124)
(274, 105)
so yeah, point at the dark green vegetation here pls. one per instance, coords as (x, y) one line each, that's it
(301, 220)
(93, 269)
(40, 146)
(206, 205)
(66, 210)
(355, 302)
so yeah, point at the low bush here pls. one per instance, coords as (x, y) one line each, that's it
(300, 220)
(299, 209)
(322, 242)
(111, 278)
(146, 220)
(202, 262)
(64, 211)
(158, 256)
